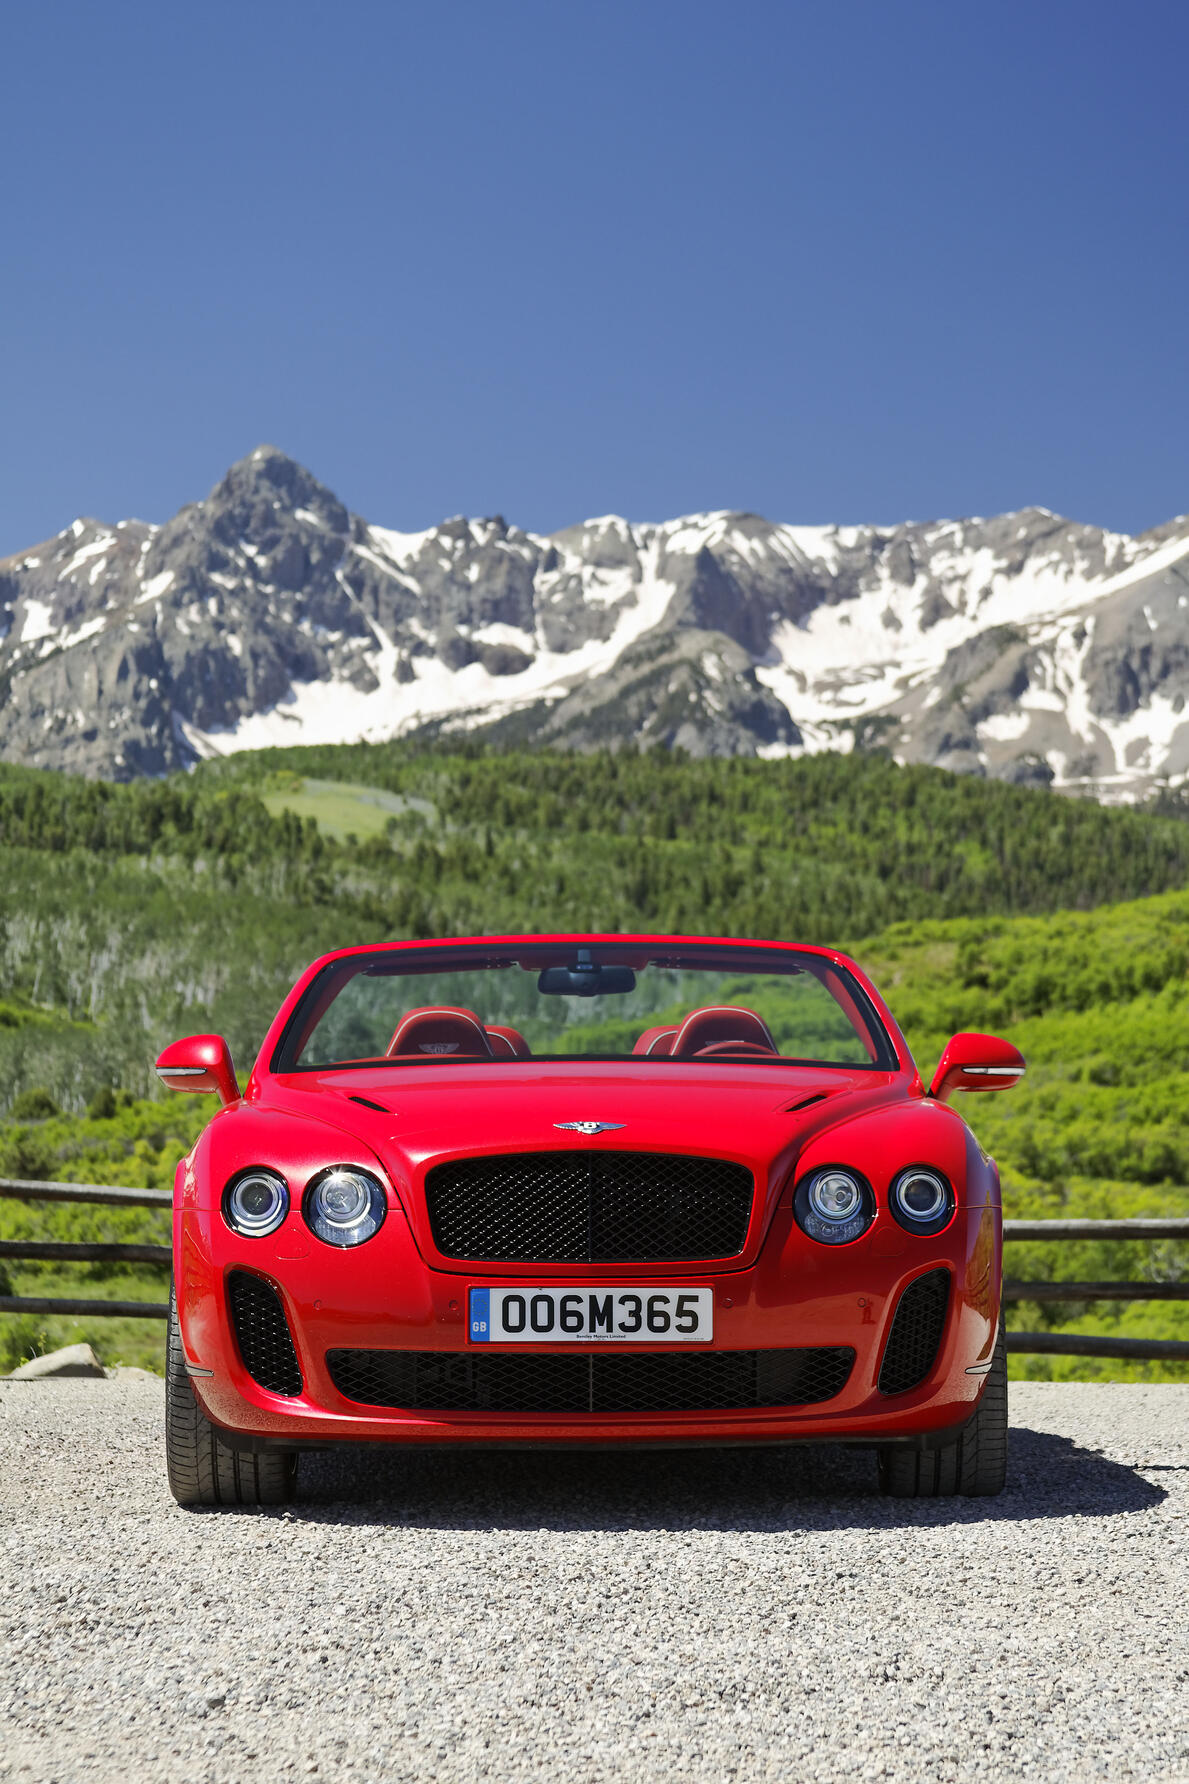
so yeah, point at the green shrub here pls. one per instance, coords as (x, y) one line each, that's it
(34, 1105)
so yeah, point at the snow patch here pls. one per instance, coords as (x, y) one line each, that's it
(155, 587)
(1004, 727)
(385, 568)
(498, 633)
(88, 630)
(398, 548)
(95, 548)
(37, 622)
(1144, 740)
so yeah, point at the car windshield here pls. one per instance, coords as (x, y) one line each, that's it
(408, 1007)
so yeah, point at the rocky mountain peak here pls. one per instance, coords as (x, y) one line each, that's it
(262, 496)
(1025, 645)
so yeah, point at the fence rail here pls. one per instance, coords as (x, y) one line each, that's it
(1096, 1229)
(111, 1193)
(53, 1252)
(1095, 1291)
(1072, 1344)
(65, 1304)
(1069, 1344)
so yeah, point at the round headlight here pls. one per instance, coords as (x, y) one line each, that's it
(255, 1203)
(921, 1200)
(345, 1206)
(834, 1205)
(835, 1196)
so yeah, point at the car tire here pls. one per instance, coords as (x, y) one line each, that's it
(975, 1464)
(202, 1468)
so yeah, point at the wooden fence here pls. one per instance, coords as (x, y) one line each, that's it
(1067, 1344)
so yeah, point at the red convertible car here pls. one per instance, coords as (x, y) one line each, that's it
(585, 1190)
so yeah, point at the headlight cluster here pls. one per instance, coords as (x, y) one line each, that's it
(921, 1199)
(342, 1206)
(255, 1203)
(835, 1205)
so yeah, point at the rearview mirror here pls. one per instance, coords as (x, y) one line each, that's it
(976, 1062)
(202, 1062)
(585, 978)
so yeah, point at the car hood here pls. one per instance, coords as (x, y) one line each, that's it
(761, 1116)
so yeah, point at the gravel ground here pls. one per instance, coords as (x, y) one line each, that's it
(732, 1615)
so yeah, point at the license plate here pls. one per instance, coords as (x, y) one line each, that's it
(591, 1315)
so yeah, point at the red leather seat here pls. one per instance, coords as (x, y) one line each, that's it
(439, 1030)
(507, 1043)
(720, 1026)
(656, 1042)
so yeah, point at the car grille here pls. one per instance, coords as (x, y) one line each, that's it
(916, 1331)
(262, 1334)
(589, 1207)
(654, 1381)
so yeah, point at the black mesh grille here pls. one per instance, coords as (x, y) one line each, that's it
(916, 1331)
(589, 1207)
(652, 1381)
(263, 1334)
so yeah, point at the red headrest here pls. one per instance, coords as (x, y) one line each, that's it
(440, 1030)
(720, 1022)
(656, 1042)
(507, 1043)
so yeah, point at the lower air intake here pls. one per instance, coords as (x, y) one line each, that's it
(915, 1337)
(262, 1333)
(656, 1381)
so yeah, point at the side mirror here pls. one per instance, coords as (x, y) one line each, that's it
(201, 1062)
(976, 1062)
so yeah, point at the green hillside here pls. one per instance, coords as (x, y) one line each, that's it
(131, 914)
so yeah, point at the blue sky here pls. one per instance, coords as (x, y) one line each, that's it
(831, 263)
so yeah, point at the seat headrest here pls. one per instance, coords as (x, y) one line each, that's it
(439, 1030)
(720, 1022)
(656, 1042)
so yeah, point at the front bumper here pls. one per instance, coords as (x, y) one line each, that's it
(382, 1296)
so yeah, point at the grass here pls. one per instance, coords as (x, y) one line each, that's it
(116, 1340)
(342, 810)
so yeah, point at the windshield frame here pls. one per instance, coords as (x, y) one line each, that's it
(532, 952)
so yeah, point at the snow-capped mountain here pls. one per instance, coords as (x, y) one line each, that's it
(1025, 646)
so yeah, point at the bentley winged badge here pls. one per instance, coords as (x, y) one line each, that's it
(588, 1127)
